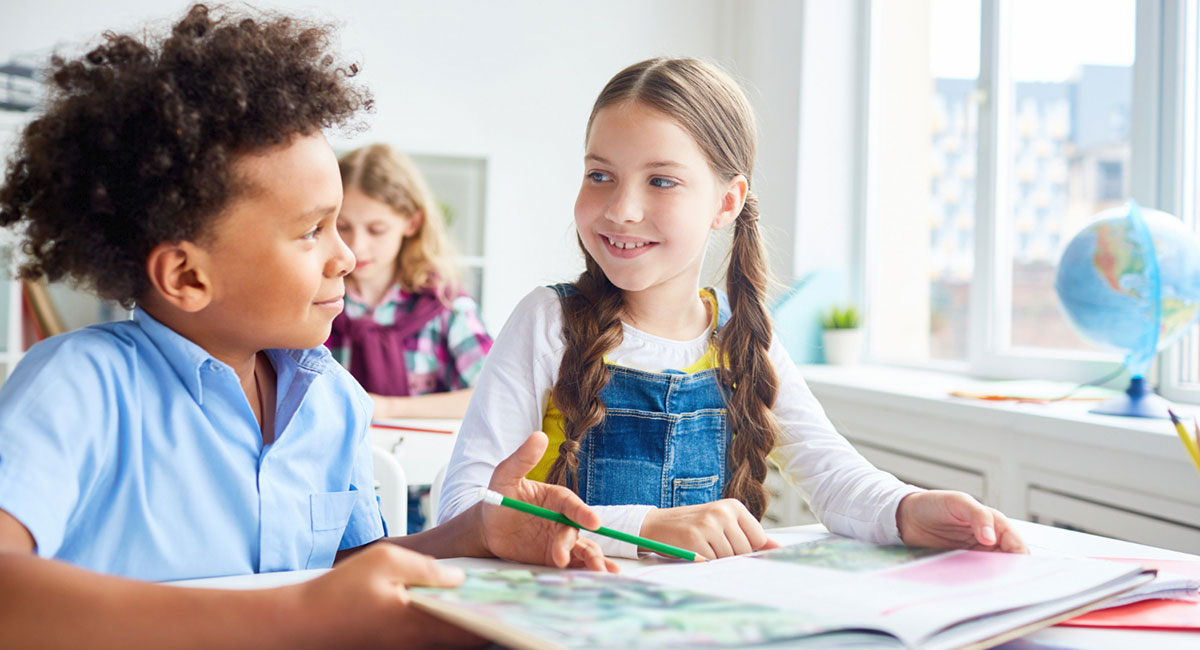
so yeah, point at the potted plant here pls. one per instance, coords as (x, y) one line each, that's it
(841, 338)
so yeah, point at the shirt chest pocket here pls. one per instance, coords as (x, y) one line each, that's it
(330, 513)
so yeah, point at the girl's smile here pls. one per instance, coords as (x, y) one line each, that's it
(626, 247)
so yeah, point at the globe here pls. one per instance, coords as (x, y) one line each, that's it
(1130, 281)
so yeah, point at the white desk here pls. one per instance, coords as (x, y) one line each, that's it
(421, 453)
(1041, 540)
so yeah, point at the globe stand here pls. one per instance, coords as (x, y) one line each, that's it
(1139, 401)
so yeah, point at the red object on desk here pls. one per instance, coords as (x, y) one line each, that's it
(1159, 614)
(400, 427)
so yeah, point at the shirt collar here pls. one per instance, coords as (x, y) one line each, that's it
(188, 359)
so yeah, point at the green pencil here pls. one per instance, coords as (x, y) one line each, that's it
(497, 499)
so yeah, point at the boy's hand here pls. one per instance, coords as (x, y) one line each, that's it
(363, 603)
(714, 530)
(951, 519)
(521, 537)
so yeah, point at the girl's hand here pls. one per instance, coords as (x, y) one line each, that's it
(714, 530)
(363, 603)
(951, 519)
(518, 536)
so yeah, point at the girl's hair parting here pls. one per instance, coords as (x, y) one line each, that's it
(709, 105)
(426, 259)
(137, 138)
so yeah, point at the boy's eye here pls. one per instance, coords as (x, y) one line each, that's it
(664, 183)
(312, 234)
(598, 177)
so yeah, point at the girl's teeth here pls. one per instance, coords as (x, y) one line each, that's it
(625, 244)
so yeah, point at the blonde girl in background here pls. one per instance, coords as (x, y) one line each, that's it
(409, 334)
(663, 401)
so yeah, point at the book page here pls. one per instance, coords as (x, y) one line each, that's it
(533, 608)
(912, 593)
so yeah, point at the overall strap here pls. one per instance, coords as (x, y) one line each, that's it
(564, 289)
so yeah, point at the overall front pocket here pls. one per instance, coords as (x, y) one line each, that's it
(694, 491)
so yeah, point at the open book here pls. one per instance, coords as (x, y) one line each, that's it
(828, 592)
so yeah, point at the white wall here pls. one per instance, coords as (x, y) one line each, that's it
(513, 81)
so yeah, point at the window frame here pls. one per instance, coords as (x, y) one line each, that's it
(1179, 186)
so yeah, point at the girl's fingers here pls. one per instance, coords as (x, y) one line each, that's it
(1010, 540)
(752, 529)
(718, 545)
(738, 542)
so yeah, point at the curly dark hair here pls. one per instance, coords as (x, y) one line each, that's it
(136, 142)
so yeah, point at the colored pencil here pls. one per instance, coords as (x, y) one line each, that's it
(1189, 443)
(497, 499)
(401, 427)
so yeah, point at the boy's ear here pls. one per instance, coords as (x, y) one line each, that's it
(732, 200)
(176, 272)
(415, 220)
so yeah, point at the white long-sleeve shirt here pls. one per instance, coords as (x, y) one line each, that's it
(848, 494)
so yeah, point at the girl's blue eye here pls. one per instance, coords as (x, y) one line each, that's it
(598, 177)
(664, 183)
(312, 234)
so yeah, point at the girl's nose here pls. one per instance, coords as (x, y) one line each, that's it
(623, 207)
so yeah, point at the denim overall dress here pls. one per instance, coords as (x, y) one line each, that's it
(664, 438)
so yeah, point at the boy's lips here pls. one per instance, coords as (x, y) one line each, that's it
(336, 301)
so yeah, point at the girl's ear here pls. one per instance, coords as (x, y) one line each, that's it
(732, 200)
(415, 221)
(176, 272)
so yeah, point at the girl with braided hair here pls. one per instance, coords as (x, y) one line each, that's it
(663, 401)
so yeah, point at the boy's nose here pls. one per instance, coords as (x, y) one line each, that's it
(342, 261)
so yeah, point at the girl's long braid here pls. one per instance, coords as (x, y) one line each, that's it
(591, 327)
(749, 379)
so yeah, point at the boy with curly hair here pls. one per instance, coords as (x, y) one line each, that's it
(212, 434)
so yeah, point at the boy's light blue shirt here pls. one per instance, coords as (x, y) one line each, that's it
(127, 449)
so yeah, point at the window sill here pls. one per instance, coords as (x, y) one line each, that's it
(1128, 478)
(927, 392)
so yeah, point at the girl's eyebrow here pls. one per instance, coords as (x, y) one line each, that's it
(656, 164)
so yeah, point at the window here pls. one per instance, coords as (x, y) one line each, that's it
(996, 130)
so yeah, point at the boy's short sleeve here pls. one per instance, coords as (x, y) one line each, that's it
(54, 416)
(366, 521)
